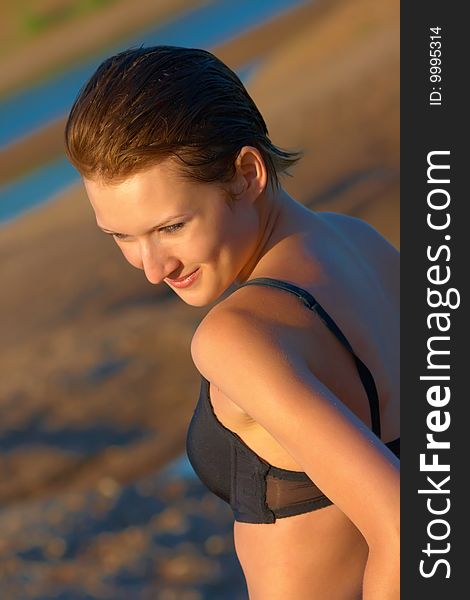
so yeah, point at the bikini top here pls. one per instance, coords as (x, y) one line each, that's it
(257, 491)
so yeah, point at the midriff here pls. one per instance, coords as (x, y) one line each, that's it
(313, 556)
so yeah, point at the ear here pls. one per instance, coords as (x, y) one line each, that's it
(251, 175)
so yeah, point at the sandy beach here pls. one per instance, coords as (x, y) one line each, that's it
(96, 359)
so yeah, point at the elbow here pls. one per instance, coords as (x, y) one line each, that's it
(385, 530)
(386, 537)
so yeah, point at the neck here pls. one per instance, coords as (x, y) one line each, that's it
(279, 216)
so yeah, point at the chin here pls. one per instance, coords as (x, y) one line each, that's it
(200, 300)
(197, 300)
(197, 303)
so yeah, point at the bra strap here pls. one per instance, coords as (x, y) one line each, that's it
(310, 302)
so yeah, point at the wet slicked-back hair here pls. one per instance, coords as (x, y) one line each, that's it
(144, 105)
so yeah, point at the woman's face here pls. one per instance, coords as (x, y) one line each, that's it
(169, 228)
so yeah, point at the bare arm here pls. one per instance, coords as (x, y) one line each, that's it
(269, 379)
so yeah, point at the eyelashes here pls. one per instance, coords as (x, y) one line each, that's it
(168, 229)
(172, 228)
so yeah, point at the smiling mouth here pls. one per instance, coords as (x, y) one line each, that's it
(177, 280)
(183, 282)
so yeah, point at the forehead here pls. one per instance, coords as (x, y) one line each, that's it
(151, 182)
(154, 192)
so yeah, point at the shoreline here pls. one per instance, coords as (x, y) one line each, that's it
(67, 45)
(74, 314)
(46, 143)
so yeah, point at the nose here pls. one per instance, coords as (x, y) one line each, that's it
(156, 263)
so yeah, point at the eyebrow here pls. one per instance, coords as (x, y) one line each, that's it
(162, 224)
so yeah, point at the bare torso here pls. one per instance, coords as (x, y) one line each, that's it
(353, 273)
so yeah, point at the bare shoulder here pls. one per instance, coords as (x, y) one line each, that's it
(359, 229)
(230, 324)
(371, 243)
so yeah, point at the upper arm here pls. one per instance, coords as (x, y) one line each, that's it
(270, 381)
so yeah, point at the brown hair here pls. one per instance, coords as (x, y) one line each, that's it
(147, 104)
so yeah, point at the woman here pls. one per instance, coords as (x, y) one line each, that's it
(292, 428)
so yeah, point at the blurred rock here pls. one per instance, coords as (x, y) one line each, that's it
(188, 568)
(215, 544)
(109, 487)
(170, 520)
(55, 548)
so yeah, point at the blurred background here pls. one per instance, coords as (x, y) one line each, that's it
(97, 387)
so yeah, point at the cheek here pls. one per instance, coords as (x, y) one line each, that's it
(131, 254)
(202, 244)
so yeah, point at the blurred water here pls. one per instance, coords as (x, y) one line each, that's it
(35, 187)
(203, 27)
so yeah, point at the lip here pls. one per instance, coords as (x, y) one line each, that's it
(184, 282)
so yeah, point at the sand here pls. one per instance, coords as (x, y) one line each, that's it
(98, 386)
(88, 340)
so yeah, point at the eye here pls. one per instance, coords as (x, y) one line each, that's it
(168, 229)
(172, 228)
